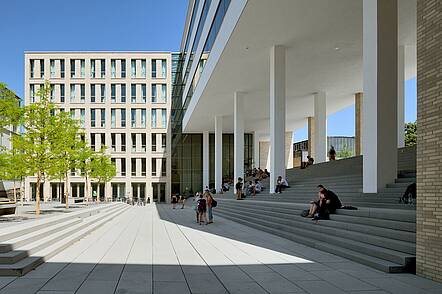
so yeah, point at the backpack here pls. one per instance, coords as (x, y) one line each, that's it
(214, 203)
(304, 213)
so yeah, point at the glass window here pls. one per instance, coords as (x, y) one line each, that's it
(133, 68)
(92, 140)
(103, 140)
(154, 167)
(163, 68)
(133, 93)
(123, 142)
(143, 166)
(143, 142)
(123, 93)
(133, 117)
(133, 162)
(143, 93)
(113, 93)
(113, 68)
(82, 93)
(42, 68)
(32, 91)
(123, 68)
(72, 93)
(103, 68)
(62, 93)
(164, 92)
(133, 139)
(154, 93)
(103, 117)
(82, 117)
(143, 68)
(52, 65)
(92, 68)
(154, 68)
(32, 61)
(163, 117)
(123, 117)
(72, 68)
(52, 93)
(72, 113)
(154, 142)
(163, 167)
(163, 141)
(61, 68)
(154, 118)
(113, 142)
(103, 93)
(113, 118)
(143, 118)
(92, 117)
(93, 93)
(123, 166)
(82, 71)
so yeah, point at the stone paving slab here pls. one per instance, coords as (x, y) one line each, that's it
(154, 249)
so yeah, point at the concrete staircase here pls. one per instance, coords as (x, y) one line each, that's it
(380, 234)
(25, 246)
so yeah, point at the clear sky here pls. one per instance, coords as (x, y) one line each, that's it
(112, 25)
(50, 25)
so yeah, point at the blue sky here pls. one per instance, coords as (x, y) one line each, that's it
(50, 25)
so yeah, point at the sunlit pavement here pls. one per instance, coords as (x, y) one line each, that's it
(155, 249)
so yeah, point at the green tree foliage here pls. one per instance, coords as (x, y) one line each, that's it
(344, 153)
(85, 155)
(13, 167)
(10, 111)
(410, 134)
(103, 170)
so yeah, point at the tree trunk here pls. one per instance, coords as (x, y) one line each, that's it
(22, 191)
(66, 191)
(98, 192)
(15, 193)
(37, 194)
(86, 188)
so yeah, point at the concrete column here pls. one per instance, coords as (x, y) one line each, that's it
(320, 134)
(264, 154)
(401, 97)
(358, 123)
(118, 187)
(108, 191)
(98, 192)
(380, 19)
(277, 114)
(78, 189)
(47, 190)
(218, 152)
(289, 149)
(256, 149)
(311, 136)
(206, 159)
(238, 135)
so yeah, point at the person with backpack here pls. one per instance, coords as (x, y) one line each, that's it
(202, 209)
(238, 187)
(211, 203)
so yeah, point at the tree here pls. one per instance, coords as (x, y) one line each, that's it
(13, 168)
(344, 153)
(103, 170)
(10, 111)
(35, 144)
(410, 134)
(85, 155)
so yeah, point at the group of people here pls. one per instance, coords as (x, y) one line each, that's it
(326, 204)
(180, 200)
(203, 206)
(259, 174)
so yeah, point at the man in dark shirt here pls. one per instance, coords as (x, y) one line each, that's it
(333, 201)
(238, 187)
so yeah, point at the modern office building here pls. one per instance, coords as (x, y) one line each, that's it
(268, 67)
(122, 100)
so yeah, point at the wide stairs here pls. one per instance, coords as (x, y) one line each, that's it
(25, 246)
(380, 233)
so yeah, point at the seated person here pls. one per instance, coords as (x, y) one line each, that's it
(333, 201)
(279, 185)
(225, 187)
(322, 211)
(251, 189)
(258, 186)
(285, 184)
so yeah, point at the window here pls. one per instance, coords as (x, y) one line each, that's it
(73, 113)
(133, 117)
(133, 93)
(92, 93)
(103, 93)
(123, 166)
(62, 93)
(42, 68)
(103, 117)
(113, 142)
(163, 141)
(133, 166)
(113, 68)
(62, 68)
(154, 167)
(72, 93)
(123, 68)
(154, 142)
(143, 142)
(103, 140)
(123, 93)
(123, 117)
(93, 117)
(154, 68)
(32, 61)
(163, 68)
(92, 68)
(143, 93)
(164, 92)
(163, 117)
(154, 118)
(143, 118)
(133, 68)
(82, 71)
(51, 97)
(93, 141)
(143, 166)
(82, 93)
(103, 68)
(113, 93)
(133, 139)
(143, 68)
(113, 118)
(32, 93)
(163, 167)
(154, 93)
(52, 65)
(123, 142)
(82, 117)
(72, 68)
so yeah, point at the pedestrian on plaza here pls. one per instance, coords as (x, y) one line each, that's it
(182, 200)
(238, 188)
(202, 209)
(210, 202)
(174, 201)
(195, 205)
(332, 153)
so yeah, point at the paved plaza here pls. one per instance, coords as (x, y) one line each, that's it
(154, 249)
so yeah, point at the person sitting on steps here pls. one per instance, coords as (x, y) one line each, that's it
(332, 201)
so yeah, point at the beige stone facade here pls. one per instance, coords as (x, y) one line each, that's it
(123, 101)
(429, 153)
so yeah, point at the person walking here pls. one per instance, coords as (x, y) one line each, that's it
(332, 153)
(238, 188)
(202, 209)
(209, 200)
(174, 201)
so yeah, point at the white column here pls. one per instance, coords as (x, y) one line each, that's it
(256, 149)
(218, 152)
(289, 149)
(380, 94)
(238, 135)
(320, 134)
(401, 97)
(206, 159)
(277, 114)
